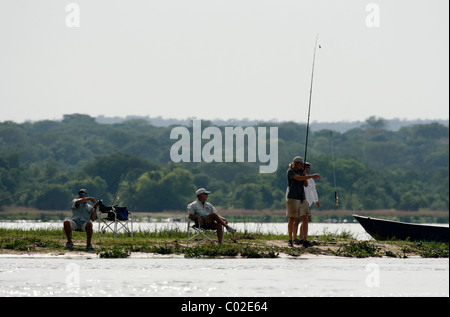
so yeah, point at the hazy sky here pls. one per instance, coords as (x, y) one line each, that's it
(224, 59)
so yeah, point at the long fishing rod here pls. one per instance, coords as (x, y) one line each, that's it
(310, 96)
(336, 198)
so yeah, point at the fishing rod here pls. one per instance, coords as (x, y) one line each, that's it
(336, 198)
(310, 96)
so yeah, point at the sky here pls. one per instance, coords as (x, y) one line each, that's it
(224, 59)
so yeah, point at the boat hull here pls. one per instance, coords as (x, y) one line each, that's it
(381, 229)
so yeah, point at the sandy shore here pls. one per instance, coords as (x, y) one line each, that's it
(322, 249)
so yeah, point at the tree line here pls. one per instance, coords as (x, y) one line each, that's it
(44, 163)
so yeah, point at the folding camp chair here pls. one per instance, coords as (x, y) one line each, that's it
(199, 233)
(115, 219)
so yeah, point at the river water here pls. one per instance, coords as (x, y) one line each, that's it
(169, 277)
(175, 276)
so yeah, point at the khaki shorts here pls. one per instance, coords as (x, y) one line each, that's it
(75, 227)
(296, 208)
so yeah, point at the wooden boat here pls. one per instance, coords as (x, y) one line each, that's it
(381, 229)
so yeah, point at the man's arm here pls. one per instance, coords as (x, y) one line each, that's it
(94, 208)
(193, 216)
(84, 200)
(223, 219)
(305, 177)
(196, 218)
(94, 211)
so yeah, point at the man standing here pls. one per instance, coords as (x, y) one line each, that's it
(296, 203)
(313, 198)
(82, 215)
(205, 215)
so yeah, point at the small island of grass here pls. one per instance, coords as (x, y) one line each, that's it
(241, 244)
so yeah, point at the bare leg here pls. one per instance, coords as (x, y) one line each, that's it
(304, 228)
(89, 231)
(68, 230)
(213, 217)
(291, 227)
(217, 223)
(219, 229)
(295, 229)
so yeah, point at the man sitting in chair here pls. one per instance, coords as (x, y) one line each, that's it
(82, 214)
(205, 215)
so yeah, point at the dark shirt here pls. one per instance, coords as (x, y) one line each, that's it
(295, 188)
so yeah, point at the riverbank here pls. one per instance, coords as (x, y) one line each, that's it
(172, 243)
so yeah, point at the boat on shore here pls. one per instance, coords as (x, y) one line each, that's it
(381, 229)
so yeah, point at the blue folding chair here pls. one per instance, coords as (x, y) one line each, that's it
(115, 219)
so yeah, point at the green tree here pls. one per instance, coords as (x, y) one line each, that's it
(169, 190)
(53, 197)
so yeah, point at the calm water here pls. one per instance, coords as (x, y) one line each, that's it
(75, 275)
(40, 276)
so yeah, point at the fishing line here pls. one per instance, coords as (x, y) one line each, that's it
(310, 96)
(336, 198)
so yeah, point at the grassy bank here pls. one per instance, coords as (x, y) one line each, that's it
(242, 244)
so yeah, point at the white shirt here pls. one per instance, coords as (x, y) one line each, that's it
(311, 192)
(196, 208)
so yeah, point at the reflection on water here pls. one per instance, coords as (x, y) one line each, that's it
(40, 276)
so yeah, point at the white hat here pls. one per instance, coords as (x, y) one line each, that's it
(201, 191)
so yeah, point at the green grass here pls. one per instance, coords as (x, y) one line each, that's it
(247, 245)
(358, 249)
(433, 250)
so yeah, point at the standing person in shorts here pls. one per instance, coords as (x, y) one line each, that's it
(82, 215)
(296, 203)
(313, 198)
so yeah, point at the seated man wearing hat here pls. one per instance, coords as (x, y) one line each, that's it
(82, 214)
(205, 215)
